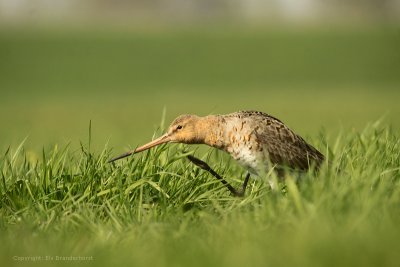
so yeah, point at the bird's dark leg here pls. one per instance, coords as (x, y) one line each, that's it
(204, 166)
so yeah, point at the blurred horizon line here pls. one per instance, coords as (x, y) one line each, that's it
(140, 12)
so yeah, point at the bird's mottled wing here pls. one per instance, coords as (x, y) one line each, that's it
(284, 147)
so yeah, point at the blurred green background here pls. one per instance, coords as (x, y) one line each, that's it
(332, 65)
(55, 80)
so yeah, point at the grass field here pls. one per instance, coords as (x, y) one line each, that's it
(80, 97)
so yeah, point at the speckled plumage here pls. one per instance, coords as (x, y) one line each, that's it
(255, 138)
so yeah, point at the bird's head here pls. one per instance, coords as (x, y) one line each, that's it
(187, 129)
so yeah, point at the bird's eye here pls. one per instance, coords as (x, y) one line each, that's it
(179, 127)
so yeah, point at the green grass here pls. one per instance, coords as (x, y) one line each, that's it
(158, 209)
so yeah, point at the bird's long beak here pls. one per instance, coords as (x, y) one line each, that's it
(161, 140)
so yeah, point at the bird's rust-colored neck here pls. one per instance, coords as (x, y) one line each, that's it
(213, 130)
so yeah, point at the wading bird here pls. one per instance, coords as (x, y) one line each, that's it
(255, 139)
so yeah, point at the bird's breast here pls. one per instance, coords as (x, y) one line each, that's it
(237, 136)
(246, 157)
(242, 144)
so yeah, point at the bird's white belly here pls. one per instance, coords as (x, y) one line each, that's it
(247, 158)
